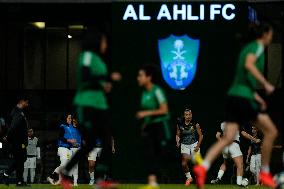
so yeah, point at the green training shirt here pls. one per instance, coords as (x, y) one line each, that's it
(244, 84)
(151, 100)
(86, 94)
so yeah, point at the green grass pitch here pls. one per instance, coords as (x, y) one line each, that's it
(136, 186)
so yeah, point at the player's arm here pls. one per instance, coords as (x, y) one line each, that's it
(249, 137)
(163, 106)
(178, 137)
(249, 153)
(200, 137)
(63, 139)
(251, 67)
(37, 150)
(93, 79)
(15, 123)
(218, 135)
(112, 145)
(163, 109)
(260, 101)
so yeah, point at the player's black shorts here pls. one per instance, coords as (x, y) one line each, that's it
(240, 110)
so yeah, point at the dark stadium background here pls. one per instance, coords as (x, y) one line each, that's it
(42, 63)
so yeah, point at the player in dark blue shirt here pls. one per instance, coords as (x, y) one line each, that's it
(255, 152)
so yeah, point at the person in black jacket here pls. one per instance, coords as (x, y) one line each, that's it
(17, 137)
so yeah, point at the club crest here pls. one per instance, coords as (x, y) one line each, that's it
(178, 56)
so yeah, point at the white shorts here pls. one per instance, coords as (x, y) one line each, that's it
(255, 163)
(232, 151)
(73, 151)
(96, 152)
(188, 149)
(30, 163)
(65, 155)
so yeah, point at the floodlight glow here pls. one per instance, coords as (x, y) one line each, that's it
(40, 25)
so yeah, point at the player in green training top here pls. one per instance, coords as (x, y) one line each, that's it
(90, 99)
(244, 104)
(155, 115)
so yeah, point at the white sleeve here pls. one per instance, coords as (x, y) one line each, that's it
(223, 126)
(259, 50)
(160, 96)
(38, 152)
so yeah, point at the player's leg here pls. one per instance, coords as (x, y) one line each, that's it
(21, 159)
(75, 169)
(25, 175)
(33, 169)
(92, 165)
(26, 171)
(216, 149)
(71, 173)
(240, 170)
(257, 167)
(185, 158)
(253, 166)
(64, 156)
(32, 175)
(54, 178)
(269, 131)
(75, 175)
(8, 172)
(221, 172)
(92, 158)
(237, 156)
(11, 168)
(200, 171)
(184, 162)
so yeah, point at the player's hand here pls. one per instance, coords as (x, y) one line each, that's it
(247, 161)
(269, 89)
(115, 76)
(142, 114)
(196, 149)
(263, 105)
(72, 141)
(107, 87)
(178, 145)
(255, 140)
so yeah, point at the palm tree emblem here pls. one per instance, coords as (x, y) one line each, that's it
(178, 45)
